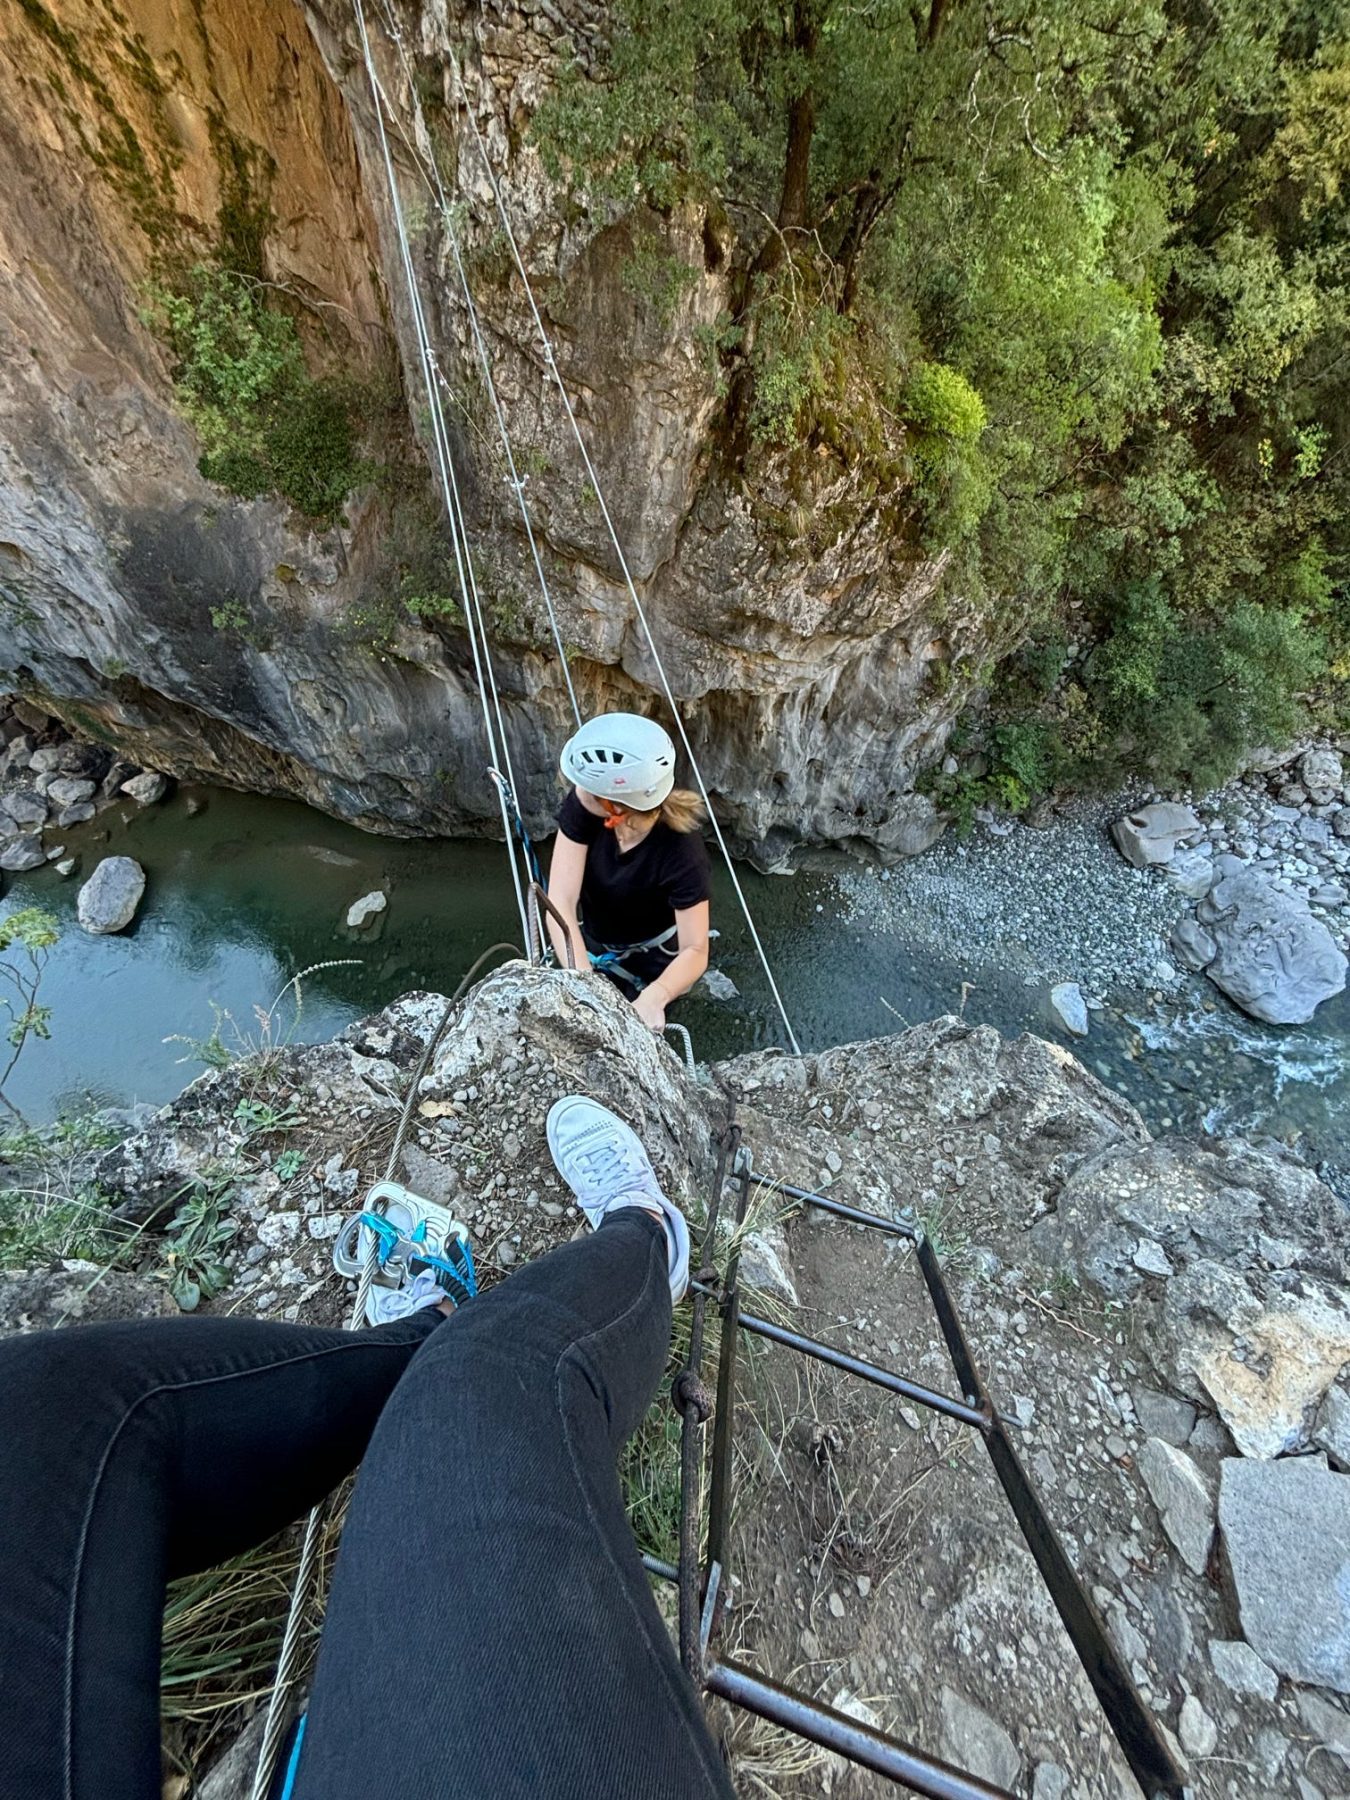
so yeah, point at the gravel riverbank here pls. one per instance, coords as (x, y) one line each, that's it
(1056, 903)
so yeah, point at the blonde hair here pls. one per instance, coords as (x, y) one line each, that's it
(682, 810)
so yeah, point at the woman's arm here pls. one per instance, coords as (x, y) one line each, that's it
(566, 867)
(692, 936)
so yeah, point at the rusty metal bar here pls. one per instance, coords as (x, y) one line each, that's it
(540, 899)
(845, 1736)
(978, 1416)
(855, 1215)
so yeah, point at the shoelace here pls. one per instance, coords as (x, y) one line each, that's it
(612, 1168)
(422, 1290)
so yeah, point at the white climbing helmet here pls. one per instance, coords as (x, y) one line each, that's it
(621, 757)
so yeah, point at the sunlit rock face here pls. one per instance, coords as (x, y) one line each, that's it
(234, 639)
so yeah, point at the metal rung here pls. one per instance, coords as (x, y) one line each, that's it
(874, 1221)
(848, 1737)
(866, 1371)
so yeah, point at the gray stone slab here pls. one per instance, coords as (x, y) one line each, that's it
(1180, 1493)
(1286, 1529)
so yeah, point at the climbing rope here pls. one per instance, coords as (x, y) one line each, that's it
(427, 168)
(499, 753)
(288, 1661)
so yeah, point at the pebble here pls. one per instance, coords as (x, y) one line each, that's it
(836, 1603)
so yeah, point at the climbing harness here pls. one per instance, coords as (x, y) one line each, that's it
(610, 957)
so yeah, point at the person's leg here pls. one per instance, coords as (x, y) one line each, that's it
(491, 1634)
(131, 1453)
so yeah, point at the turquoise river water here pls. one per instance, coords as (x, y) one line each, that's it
(243, 892)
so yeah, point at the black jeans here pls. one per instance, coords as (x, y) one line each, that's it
(490, 1634)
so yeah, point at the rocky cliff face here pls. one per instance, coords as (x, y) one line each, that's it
(231, 639)
(1166, 1319)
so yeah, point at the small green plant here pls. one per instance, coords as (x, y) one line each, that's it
(259, 1116)
(266, 424)
(289, 1164)
(230, 615)
(194, 1242)
(658, 278)
(27, 938)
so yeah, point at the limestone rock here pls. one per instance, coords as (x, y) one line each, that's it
(78, 814)
(108, 900)
(1162, 1416)
(1286, 1530)
(147, 788)
(1329, 1725)
(1050, 1783)
(362, 911)
(1273, 957)
(69, 790)
(766, 1268)
(1067, 999)
(1331, 1431)
(975, 1742)
(1153, 834)
(21, 854)
(1241, 1670)
(1322, 773)
(1185, 1503)
(1190, 872)
(1267, 1369)
(1193, 946)
(25, 806)
(1198, 1733)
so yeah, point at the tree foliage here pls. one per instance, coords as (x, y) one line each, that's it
(1072, 276)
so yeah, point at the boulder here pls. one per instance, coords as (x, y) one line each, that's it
(15, 756)
(22, 853)
(108, 900)
(147, 788)
(1067, 999)
(1190, 872)
(79, 814)
(1323, 774)
(1153, 834)
(1193, 946)
(362, 911)
(31, 717)
(70, 790)
(1340, 822)
(25, 805)
(914, 825)
(1184, 1502)
(1286, 1530)
(1273, 958)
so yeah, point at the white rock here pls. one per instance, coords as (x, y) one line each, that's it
(146, 789)
(1151, 1258)
(1153, 834)
(1067, 999)
(362, 911)
(1199, 1734)
(108, 900)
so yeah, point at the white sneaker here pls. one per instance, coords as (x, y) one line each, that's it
(603, 1162)
(384, 1305)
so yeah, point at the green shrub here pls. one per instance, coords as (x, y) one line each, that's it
(940, 401)
(265, 424)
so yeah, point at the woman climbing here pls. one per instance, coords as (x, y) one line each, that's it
(629, 873)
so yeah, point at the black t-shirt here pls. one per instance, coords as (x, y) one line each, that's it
(632, 895)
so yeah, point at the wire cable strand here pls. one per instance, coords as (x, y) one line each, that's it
(550, 360)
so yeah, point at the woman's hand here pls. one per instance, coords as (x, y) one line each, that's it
(650, 1007)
